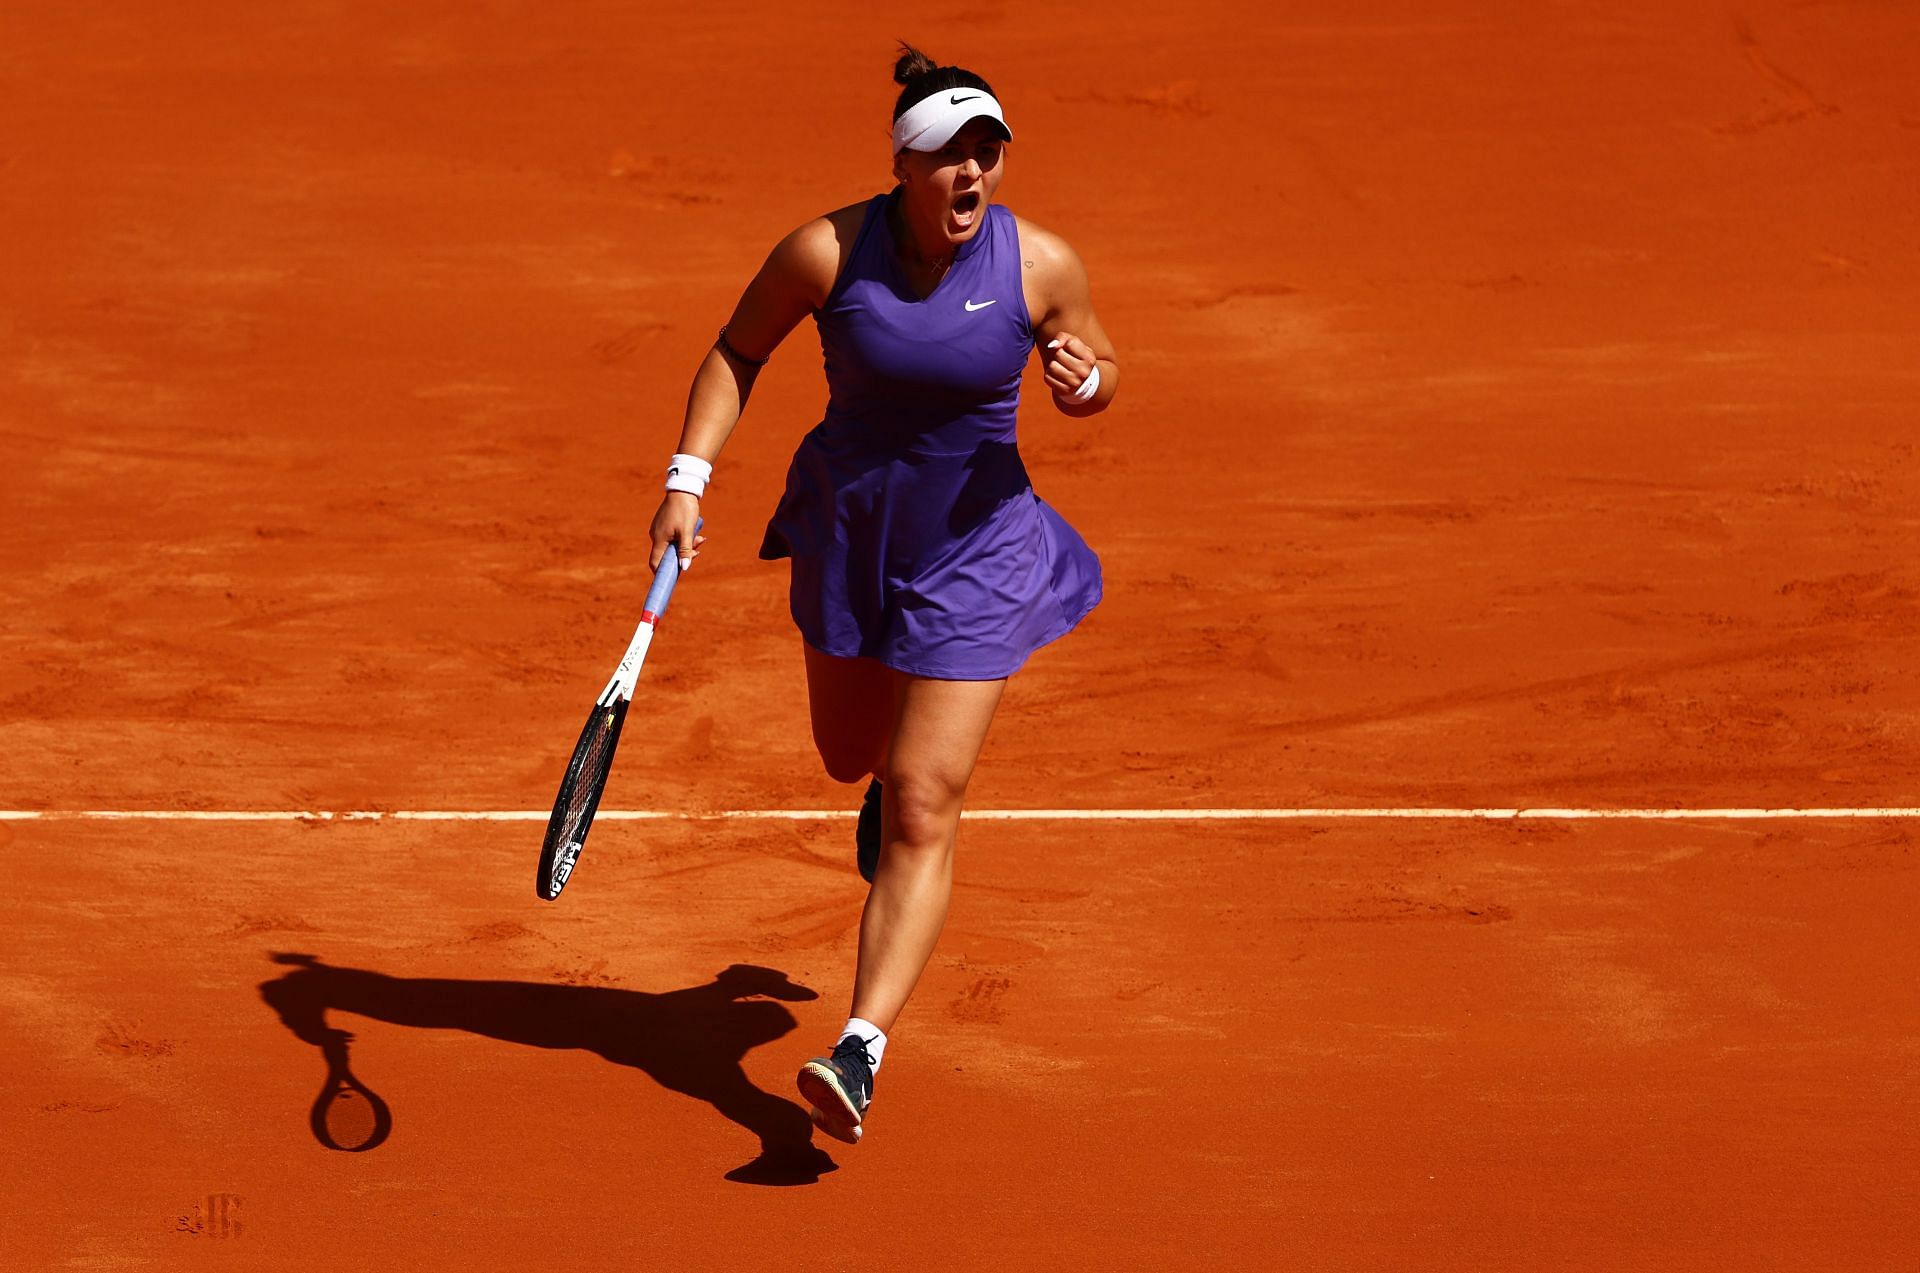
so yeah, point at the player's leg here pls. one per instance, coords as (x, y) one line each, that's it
(852, 704)
(938, 730)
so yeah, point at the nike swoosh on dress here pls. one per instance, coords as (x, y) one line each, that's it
(972, 305)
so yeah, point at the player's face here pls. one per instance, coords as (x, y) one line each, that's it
(953, 185)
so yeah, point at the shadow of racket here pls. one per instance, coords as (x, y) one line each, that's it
(347, 1115)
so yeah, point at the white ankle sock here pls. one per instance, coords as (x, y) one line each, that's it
(870, 1034)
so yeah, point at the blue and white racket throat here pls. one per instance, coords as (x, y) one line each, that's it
(627, 675)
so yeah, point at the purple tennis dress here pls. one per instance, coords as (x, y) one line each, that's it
(915, 534)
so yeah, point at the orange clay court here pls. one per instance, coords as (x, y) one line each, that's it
(1520, 412)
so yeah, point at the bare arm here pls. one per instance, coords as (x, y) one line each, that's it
(1066, 332)
(793, 282)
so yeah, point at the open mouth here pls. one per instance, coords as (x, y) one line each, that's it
(966, 207)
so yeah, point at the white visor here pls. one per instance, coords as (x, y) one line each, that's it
(931, 122)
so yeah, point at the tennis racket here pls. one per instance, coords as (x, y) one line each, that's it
(579, 797)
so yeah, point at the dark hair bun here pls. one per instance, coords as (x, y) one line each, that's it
(919, 77)
(912, 63)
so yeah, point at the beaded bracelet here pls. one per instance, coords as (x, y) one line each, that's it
(726, 347)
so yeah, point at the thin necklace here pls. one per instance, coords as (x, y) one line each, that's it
(937, 266)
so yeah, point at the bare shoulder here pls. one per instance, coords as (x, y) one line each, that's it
(1054, 280)
(811, 256)
(1046, 253)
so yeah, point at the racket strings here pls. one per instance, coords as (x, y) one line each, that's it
(595, 761)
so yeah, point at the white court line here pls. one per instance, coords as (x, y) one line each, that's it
(972, 815)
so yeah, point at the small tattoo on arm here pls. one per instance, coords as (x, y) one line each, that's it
(1029, 264)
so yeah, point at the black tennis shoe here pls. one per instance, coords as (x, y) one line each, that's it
(839, 1087)
(866, 833)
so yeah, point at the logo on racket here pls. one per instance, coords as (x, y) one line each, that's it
(563, 867)
(627, 675)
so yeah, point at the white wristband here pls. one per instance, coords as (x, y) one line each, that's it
(689, 473)
(1088, 387)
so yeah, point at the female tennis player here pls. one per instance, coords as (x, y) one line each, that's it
(924, 568)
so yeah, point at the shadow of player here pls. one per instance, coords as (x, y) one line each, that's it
(691, 1041)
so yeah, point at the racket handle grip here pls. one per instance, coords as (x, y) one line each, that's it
(666, 577)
